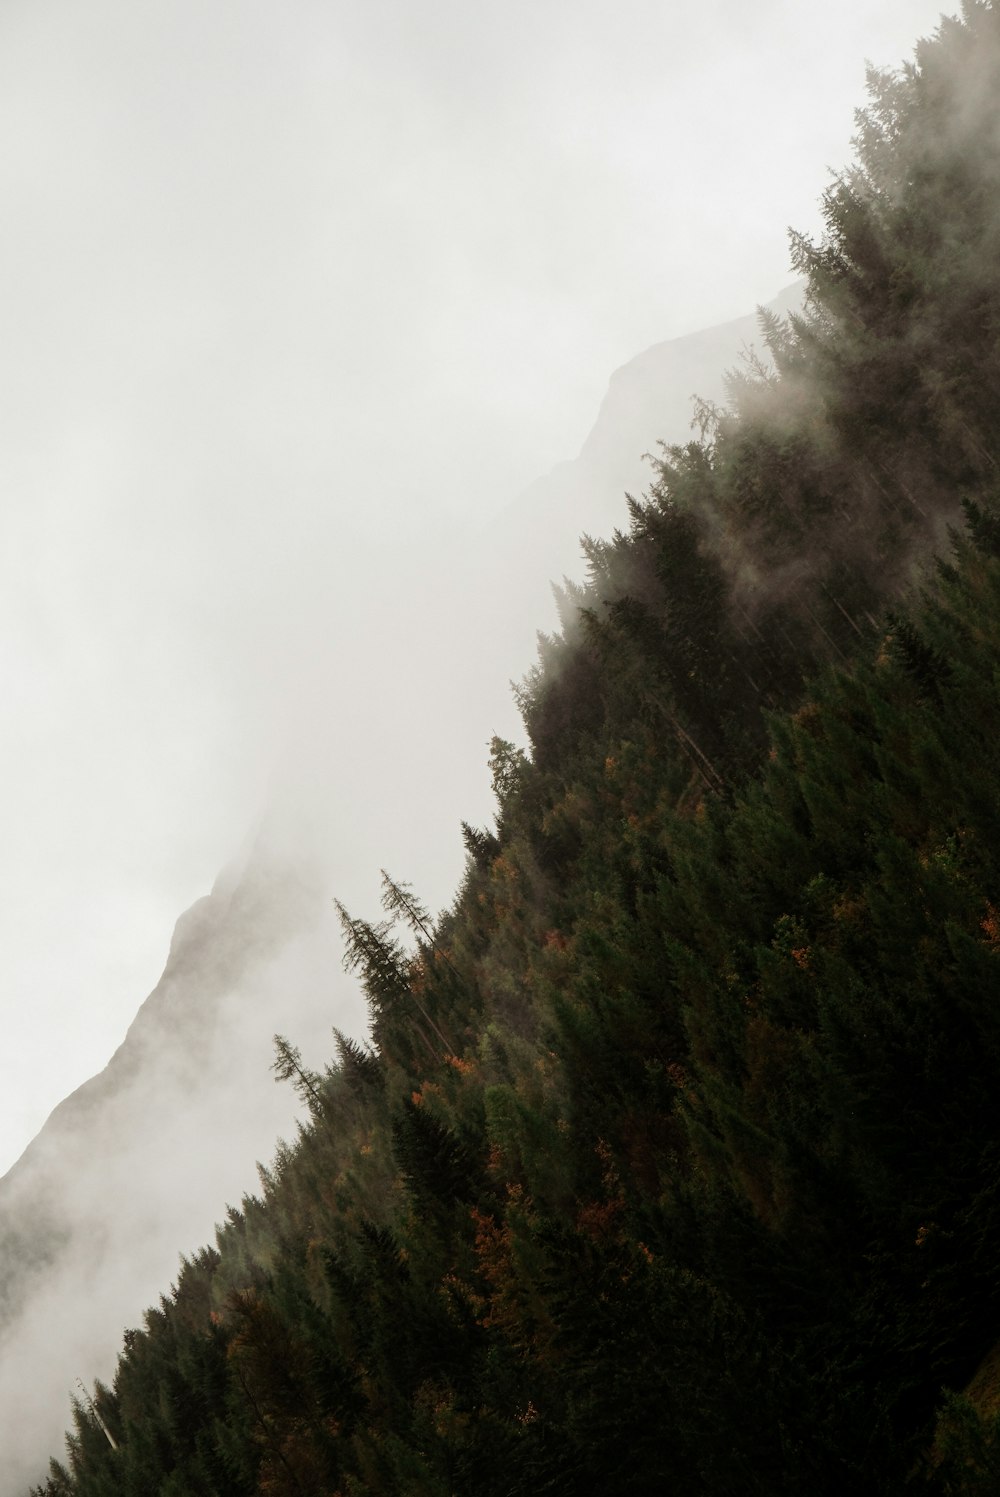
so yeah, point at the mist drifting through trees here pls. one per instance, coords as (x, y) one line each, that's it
(296, 298)
(670, 1161)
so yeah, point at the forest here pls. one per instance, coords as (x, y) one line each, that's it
(672, 1160)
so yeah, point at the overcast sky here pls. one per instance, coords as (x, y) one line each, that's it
(287, 287)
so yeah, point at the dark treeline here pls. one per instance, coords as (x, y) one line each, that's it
(673, 1163)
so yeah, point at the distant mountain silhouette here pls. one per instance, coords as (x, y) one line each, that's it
(137, 1164)
(648, 400)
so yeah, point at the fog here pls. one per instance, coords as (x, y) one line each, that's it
(296, 302)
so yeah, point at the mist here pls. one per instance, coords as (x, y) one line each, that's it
(298, 303)
(284, 288)
(140, 1162)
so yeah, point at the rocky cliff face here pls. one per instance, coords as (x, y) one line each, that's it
(139, 1162)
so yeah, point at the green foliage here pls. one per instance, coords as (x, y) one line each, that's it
(673, 1162)
(967, 1450)
(288, 1066)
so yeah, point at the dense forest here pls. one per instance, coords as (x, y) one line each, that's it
(673, 1161)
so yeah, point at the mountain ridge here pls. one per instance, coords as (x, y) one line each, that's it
(247, 919)
(672, 1161)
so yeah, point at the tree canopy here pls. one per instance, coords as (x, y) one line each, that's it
(673, 1162)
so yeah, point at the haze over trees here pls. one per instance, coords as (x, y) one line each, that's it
(137, 1163)
(673, 1163)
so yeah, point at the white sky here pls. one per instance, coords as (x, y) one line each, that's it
(284, 289)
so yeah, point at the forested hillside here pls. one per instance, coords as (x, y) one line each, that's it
(674, 1161)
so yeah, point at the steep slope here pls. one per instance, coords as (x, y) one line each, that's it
(650, 399)
(654, 392)
(674, 1161)
(139, 1162)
